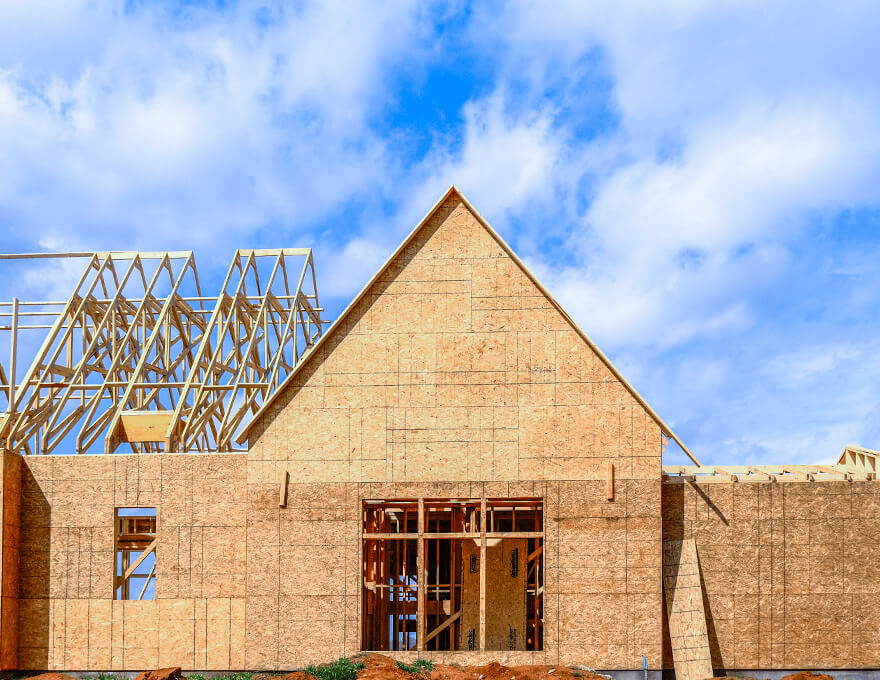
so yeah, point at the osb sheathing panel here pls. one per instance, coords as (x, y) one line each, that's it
(607, 574)
(243, 583)
(10, 537)
(505, 594)
(67, 616)
(602, 561)
(454, 366)
(686, 613)
(790, 570)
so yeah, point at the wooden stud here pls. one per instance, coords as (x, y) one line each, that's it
(13, 352)
(284, 479)
(420, 581)
(483, 515)
(609, 481)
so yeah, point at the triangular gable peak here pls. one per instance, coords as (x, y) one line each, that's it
(452, 364)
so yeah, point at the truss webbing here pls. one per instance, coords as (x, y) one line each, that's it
(138, 357)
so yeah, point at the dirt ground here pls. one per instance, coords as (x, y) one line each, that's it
(380, 667)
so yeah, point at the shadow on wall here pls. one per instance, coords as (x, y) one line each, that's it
(714, 647)
(35, 568)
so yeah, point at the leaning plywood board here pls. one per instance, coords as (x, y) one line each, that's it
(506, 570)
(684, 607)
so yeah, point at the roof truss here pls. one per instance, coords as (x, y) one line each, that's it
(137, 355)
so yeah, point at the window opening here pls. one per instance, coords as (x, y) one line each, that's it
(135, 554)
(423, 583)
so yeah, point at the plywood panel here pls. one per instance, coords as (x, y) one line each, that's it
(10, 540)
(67, 608)
(452, 330)
(785, 566)
(685, 612)
(505, 594)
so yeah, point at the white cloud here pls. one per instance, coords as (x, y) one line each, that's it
(731, 137)
(505, 162)
(195, 129)
(662, 168)
(733, 131)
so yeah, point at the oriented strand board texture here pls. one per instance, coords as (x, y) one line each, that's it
(67, 616)
(454, 366)
(791, 571)
(602, 602)
(684, 602)
(505, 595)
(10, 536)
(453, 377)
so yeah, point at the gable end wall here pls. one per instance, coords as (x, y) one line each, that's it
(454, 375)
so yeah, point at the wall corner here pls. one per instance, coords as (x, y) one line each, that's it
(10, 534)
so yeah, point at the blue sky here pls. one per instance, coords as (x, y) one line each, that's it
(698, 182)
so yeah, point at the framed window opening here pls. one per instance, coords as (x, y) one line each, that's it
(452, 574)
(134, 554)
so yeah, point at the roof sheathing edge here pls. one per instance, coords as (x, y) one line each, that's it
(454, 190)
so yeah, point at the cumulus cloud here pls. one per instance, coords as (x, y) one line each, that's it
(696, 181)
(697, 218)
(195, 126)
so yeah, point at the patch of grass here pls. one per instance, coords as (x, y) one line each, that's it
(342, 669)
(109, 676)
(417, 666)
(228, 676)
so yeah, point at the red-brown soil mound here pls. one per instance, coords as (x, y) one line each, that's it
(161, 674)
(380, 667)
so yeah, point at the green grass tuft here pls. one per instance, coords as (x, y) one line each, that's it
(342, 669)
(228, 676)
(417, 666)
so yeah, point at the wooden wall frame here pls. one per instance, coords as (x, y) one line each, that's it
(487, 527)
(133, 534)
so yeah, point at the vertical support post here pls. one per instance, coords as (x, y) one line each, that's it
(483, 574)
(167, 341)
(12, 355)
(126, 556)
(420, 562)
(609, 481)
(69, 354)
(110, 376)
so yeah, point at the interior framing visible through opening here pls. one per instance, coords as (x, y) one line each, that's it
(452, 574)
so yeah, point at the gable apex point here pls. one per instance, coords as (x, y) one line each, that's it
(454, 190)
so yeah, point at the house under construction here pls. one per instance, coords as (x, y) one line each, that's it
(450, 470)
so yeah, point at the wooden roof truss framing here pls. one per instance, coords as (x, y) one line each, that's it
(138, 356)
(855, 464)
(709, 474)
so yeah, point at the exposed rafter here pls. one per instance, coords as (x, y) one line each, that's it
(138, 356)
